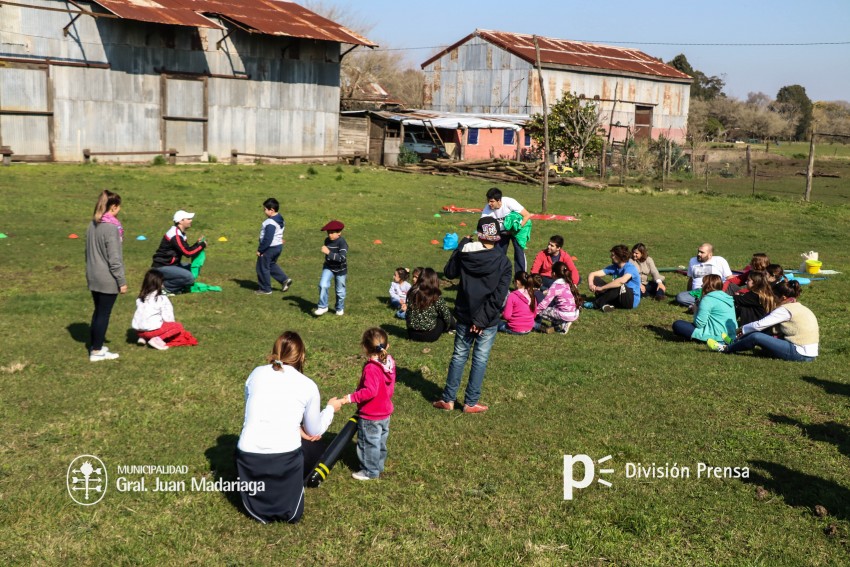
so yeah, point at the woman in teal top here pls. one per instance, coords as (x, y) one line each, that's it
(715, 315)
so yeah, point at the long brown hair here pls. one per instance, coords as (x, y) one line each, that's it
(105, 201)
(761, 287)
(375, 343)
(426, 291)
(759, 262)
(530, 286)
(288, 350)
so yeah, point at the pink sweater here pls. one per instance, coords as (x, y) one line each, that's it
(374, 394)
(561, 301)
(517, 312)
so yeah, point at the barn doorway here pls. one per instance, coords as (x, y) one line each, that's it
(643, 122)
(184, 115)
(26, 111)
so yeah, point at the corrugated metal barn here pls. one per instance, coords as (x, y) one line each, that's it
(495, 72)
(129, 78)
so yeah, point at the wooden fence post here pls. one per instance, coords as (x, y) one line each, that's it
(811, 168)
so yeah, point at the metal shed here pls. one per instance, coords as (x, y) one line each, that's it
(495, 72)
(126, 79)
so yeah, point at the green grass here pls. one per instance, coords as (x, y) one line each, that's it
(484, 489)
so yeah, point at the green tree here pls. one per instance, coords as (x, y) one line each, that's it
(574, 125)
(704, 87)
(793, 101)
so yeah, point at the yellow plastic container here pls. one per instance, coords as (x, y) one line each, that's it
(813, 266)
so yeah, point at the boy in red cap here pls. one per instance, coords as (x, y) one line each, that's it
(335, 267)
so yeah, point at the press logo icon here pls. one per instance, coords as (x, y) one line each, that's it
(570, 481)
(86, 480)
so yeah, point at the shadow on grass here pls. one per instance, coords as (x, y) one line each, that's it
(664, 333)
(79, 332)
(222, 459)
(132, 336)
(304, 305)
(395, 331)
(829, 431)
(829, 386)
(246, 284)
(414, 380)
(800, 489)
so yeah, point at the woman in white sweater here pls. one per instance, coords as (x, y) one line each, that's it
(799, 334)
(281, 407)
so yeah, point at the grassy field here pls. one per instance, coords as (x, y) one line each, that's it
(482, 489)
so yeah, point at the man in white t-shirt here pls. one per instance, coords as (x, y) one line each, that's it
(701, 265)
(499, 207)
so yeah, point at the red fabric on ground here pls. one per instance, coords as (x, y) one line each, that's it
(173, 334)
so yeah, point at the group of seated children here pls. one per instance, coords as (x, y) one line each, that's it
(757, 307)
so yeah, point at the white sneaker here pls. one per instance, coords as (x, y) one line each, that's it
(103, 354)
(360, 475)
(340, 313)
(141, 342)
(607, 308)
(319, 311)
(158, 343)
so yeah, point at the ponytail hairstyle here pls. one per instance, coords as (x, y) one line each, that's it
(403, 274)
(151, 284)
(530, 285)
(759, 285)
(711, 282)
(288, 350)
(776, 272)
(787, 289)
(375, 343)
(562, 271)
(105, 201)
(760, 262)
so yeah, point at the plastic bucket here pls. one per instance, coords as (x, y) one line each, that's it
(813, 266)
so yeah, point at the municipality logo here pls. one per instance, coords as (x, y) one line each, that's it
(86, 480)
(570, 481)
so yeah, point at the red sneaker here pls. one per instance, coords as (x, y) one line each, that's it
(477, 408)
(447, 406)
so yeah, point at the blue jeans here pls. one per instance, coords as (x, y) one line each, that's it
(267, 268)
(503, 328)
(684, 328)
(325, 284)
(396, 304)
(176, 278)
(480, 346)
(372, 445)
(776, 348)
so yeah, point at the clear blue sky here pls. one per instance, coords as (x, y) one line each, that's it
(824, 70)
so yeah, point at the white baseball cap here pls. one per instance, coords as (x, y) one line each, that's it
(181, 214)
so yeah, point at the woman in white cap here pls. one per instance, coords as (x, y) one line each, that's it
(172, 247)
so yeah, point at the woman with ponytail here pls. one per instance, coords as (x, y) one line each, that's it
(104, 269)
(281, 409)
(560, 306)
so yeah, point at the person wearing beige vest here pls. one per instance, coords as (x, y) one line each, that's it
(798, 329)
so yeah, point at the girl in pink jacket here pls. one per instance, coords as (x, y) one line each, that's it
(374, 399)
(559, 306)
(518, 313)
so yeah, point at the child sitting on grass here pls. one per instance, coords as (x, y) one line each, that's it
(374, 399)
(560, 305)
(154, 318)
(398, 291)
(518, 313)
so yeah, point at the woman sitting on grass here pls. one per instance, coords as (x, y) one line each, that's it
(715, 316)
(651, 281)
(281, 409)
(428, 316)
(798, 329)
(757, 300)
(758, 263)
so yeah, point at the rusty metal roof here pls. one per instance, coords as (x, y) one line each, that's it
(268, 17)
(562, 52)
